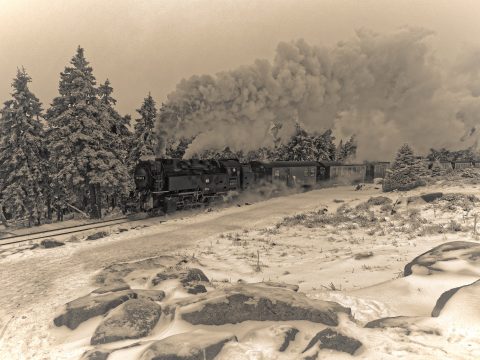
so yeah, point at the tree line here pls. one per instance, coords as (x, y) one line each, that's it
(78, 155)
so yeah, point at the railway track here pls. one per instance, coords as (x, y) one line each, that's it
(39, 235)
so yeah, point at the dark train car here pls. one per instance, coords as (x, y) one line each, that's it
(289, 173)
(345, 173)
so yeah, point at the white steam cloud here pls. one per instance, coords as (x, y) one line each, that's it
(385, 89)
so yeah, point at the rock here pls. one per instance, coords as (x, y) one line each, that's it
(118, 272)
(329, 339)
(196, 289)
(408, 323)
(468, 308)
(112, 288)
(454, 250)
(132, 320)
(290, 335)
(193, 345)
(51, 243)
(283, 285)
(152, 295)
(244, 302)
(275, 337)
(363, 255)
(121, 230)
(95, 355)
(98, 235)
(186, 276)
(431, 197)
(379, 200)
(84, 308)
(395, 321)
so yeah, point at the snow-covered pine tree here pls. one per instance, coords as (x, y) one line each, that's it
(80, 140)
(145, 139)
(405, 172)
(347, 150)
(325, 146)
(121, 141)
(23, 162)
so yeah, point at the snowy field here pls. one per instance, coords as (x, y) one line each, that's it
(334, 244)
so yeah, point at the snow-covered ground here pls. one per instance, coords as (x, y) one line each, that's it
(356, 257)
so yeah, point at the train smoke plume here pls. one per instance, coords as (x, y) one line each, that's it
(385, 89)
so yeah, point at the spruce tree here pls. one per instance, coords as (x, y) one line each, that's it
(145, 139)
(405, 172)
(121, 138)
(80, 140)
(23, 163)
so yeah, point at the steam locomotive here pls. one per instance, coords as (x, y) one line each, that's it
(165, 185)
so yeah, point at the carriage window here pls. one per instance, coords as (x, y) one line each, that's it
(276, 173)
(312, 171)
(305, 172)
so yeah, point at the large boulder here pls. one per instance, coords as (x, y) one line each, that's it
(460, 306)
(120, 272)
(186, 276)
(330, 339)
(193, 345)
(132, 320)
(152, 295)
(86, 307)
(258, 303)
(434, 259)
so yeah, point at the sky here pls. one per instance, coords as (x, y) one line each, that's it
(146, 46)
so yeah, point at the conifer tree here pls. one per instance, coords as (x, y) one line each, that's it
(121, 138)
(80, 140)
(405, 172)
(145, 139)
(347, 150)
(23, 163)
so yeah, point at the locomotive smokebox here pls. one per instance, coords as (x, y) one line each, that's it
(147, 175)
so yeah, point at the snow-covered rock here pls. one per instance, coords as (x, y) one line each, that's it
(460, 306)
(95, 355)
(186, 276)
(86, 307)
(410, 324)
(121, 285)
(132, 320)
(257, 302)
(330, 339)
(152, 295)
(194, 345)
(277, 337)
(465, 252)
(97, 235)
(51, 243)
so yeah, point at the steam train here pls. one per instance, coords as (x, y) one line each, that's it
(165, 185)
